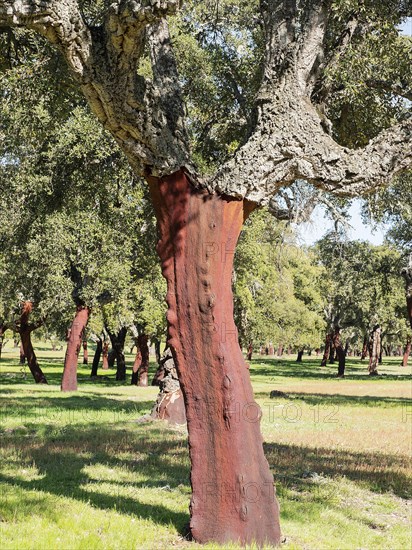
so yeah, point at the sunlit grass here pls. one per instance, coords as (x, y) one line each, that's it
(79, 473)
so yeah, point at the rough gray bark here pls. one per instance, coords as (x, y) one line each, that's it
(147, 126)
(169, 403)
(291, 139)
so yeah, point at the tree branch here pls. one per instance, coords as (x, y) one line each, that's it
(60, 21)
(395, 88)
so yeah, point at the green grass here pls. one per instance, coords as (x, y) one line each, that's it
(79, 473)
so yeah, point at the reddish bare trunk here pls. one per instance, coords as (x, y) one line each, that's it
(407, 352)
(136, 367)
(105, 353)
(142, 342)
(232, 487)
(85, 353)
(271, 349)
(69, 379)
(280, 351)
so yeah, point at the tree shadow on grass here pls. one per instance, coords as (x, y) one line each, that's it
(378, 472)
(311, 369)
(63, 461)
(84, 408)
(337, 399)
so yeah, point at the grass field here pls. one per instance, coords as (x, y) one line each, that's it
(78, 472)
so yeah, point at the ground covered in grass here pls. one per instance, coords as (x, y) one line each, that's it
(78, 471)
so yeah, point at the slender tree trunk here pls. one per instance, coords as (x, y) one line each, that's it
(300, 356)
(271, 349)
(26, 347)
(280, 351)
(157, 351)
(407, 352)
(340, 352)
(117, 352)
(232, 487)
(136, 367)
(85, 353)
(332, 351)
(142, 342)
(96, 358)
(374, 350)
(22, 354)
(2, 331)
(327, 350)
(409, 307)
(69, 379)
(25, 335)
(250, 352)
(364, 347)
(105, 352)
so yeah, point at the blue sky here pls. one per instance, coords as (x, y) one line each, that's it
(314, 230)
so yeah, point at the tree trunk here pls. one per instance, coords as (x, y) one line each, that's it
(340, 352)
(409, 307)
(96, 358)
(364, 347)
(2, 331)
(169, 403)
(157, 351)
(407, 352)
(374, 350)
(85, 353)
(25, 335)
(280, 351)
(26, 348)
(117, 352)
(332, 351)
(300, 356)
(105, 352)
(22, 354)
(250, 352)
(327, 350)
(136, 367)
(271, 349)
(142, 342)
(69, 379)
(232, 487)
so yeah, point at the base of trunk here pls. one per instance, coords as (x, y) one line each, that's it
(169, 403)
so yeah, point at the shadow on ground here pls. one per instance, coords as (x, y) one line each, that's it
(295, 465)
